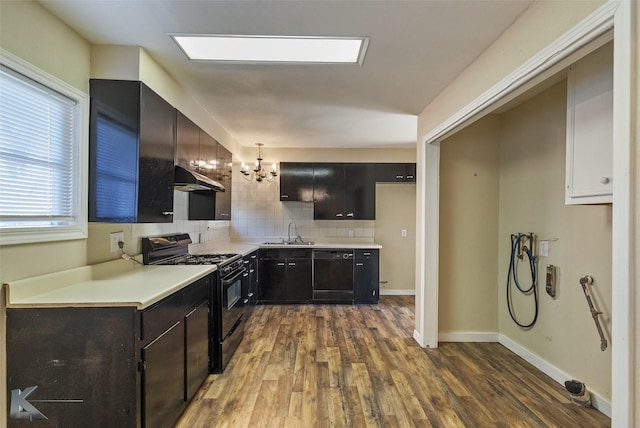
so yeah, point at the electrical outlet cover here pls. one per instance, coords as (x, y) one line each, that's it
(114, 238)
(543, 248)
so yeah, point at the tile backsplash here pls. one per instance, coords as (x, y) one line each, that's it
(258, 215)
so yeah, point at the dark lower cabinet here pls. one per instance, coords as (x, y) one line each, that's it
(163, 378)
(196, 348)
(285, 276)
(300, 276)
(366, 276)
(110, 366)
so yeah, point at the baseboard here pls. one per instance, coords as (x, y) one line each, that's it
(468, 337)
(418, 338)
(397, 292)
(552, 371)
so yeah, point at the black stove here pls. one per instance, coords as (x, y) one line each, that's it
(227, 311)
(174, 250)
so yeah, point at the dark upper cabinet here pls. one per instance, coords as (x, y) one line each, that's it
(328, 191)
(344, 191)
(187, 142)
(395, 172)
(198, 151)
(131, 153)
(360, 191)
(224, 165)
(296, 181)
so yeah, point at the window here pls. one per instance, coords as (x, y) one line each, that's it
(42, 140)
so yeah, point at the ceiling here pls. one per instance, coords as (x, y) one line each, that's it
(416, 49)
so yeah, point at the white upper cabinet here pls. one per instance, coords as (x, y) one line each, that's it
(590, 129)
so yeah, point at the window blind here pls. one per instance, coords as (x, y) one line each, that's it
(38, 155)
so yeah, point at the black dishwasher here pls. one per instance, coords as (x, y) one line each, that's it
(333, 276)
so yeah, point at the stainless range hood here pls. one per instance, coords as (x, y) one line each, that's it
(189, 181)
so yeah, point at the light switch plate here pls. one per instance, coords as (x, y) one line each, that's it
(403, 232)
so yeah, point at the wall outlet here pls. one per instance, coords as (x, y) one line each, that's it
(114, 238)
(351, 233)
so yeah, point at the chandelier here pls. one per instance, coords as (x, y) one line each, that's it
(258, 172)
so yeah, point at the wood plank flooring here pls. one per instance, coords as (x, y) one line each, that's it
(358, 366)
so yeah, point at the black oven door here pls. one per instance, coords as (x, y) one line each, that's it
(232, 314)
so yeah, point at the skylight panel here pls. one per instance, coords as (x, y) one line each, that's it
(273, 49)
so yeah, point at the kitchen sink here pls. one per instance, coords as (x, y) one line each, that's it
(289, 243)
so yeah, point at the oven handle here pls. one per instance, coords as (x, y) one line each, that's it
(227, 281)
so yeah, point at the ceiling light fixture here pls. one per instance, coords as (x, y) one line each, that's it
(273, 49)
(258, 172)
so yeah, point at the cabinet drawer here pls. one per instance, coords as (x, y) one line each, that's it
(159, 317)
(366, 254)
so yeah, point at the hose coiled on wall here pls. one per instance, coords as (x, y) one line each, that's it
(516, 241)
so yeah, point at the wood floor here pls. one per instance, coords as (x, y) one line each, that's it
(358, 366)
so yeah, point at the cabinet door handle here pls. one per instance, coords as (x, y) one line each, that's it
(292, 264)
(245, 274)
(284, 196)
(246, 262)
(250, 294)
(605, 180)
(252, 270)
(339, 215)
(399, 177)
(253, 256)
(366, 254)
(280, 264)
(350, 215)
(246, 301)
(359, 264)
(167, 212)
(410, 177)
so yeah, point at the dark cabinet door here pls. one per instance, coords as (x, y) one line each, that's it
(187, 142)
(395, 172)
(157, 153)
(366, 276)
(296, 181)
(131, 152)
(224, 166)
(196, 348)
(299, 281)
(328, 191)
(360, 192)
(273, 280)
(163, 378)
(208, 160)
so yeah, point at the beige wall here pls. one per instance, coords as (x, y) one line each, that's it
(396, 211)
(542, 23)
(469, 177)
(503, 175)
(532, 187)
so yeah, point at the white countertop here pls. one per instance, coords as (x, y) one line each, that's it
(124, 283)
(116, 283)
